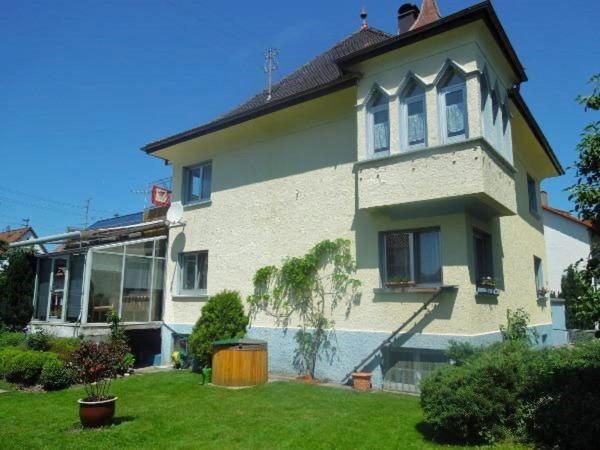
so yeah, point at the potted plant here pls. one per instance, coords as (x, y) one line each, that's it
(487, 282)
(95, 365)
(399, 282)
(542, 292)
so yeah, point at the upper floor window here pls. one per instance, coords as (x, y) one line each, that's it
(411, 256)
(193, 268)
(497, 137)
(453, 105)
(532, 194)
(197, 181)
(486, 108)
(379, 123)
(413, 122)
(539, 275)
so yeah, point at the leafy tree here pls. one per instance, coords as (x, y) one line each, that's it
(16, 287)
(222, 317)
(579, 290)
(308, 289)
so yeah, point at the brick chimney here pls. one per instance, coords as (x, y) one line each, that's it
(429, 14)
(407, 14)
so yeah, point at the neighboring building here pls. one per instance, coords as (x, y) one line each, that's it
(115, 264)
(568, 240)
(419, 148)
(21, 234)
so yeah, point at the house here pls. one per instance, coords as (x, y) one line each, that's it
(416, 146)
(568, 240)
(19, 235)
(116, 264)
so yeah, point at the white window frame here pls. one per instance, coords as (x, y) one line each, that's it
(442, 92)
(197, 291)
(371, 111)
(65, 292)
(186, 183)
(404, 102)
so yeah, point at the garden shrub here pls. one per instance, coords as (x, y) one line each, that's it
(11, 339)
(56, 375)
(25, 366)
(63, 347)
(6, 355)
(222, 317)
(549, 397)
(38, 340)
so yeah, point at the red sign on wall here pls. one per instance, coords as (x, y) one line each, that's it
(161, 196)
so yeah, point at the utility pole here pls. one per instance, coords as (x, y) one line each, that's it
(87, 212)
(271, 65)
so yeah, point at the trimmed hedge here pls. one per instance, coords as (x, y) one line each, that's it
(56, 375)
(23, 366)
(509, 390)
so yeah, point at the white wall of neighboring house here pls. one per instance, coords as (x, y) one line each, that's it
(566, 243)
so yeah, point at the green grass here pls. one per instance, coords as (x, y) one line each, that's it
(172, 410)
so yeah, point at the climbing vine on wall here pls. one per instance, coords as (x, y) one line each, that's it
(309, 289)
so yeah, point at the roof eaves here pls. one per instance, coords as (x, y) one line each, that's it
(481, 11)
(572, 218)
(519, 102)
(349, 79)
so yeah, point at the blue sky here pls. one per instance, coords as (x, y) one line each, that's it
(84, 84)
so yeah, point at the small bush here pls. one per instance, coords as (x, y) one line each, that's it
(39, 341)
(6, 356)
(222, 317)
(11, 339)
(63, 347)
(25, 366)
(56, 375)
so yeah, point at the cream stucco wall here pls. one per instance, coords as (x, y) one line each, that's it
(284, 182)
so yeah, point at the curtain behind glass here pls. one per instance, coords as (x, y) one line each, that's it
(105, 286)
(455, 117)
(416, 122)
(429, 269)
(206, 181)
(136, 289)
(381, 131)
(397, 247)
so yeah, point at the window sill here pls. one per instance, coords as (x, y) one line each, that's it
(197, 204)
(191, 295)
(415, 289)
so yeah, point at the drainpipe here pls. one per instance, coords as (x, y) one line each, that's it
(52, 238)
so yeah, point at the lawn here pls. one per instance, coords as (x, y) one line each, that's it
(172, 410)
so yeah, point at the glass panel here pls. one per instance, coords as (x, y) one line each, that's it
(105, 286)
(455, 117)
(202, 269)
(43, 290)
(381, 131)
(141, 249)
(158, 289)
(76, 270)
(454, 81)
(206, 181)
(397, 254)
(416, 122)
(189, 271)
(532, 194)
(57, 295)
(193, 184)
(539, 273)
(429, 266)
(378, 99)
(116, 249)
(136, 289)
(161, 248)
(483, 256)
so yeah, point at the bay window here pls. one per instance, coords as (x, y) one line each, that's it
(413, 122)
(378, 123)
(411, 256)
(453, 106)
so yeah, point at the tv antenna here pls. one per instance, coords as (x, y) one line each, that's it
(271, 65)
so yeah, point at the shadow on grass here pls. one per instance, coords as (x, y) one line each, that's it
(78, 428)
(430, 435)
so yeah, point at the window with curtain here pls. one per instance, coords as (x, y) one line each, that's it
(453, 100)
(486, 109)
(484, 266)
(412, 256)
(506, 133)
(193, 268)
(539, 274)
(497, 122)
(413, 127)
(197, 183)
(532, 193)
(379, 123)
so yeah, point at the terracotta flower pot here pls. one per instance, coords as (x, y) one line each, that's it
(362, 381)
(96, 414)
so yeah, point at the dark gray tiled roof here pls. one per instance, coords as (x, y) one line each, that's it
(319, 72)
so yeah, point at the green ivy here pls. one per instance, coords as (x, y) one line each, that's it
(308, 289)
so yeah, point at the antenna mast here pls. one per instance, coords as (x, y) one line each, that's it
(271, 65)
